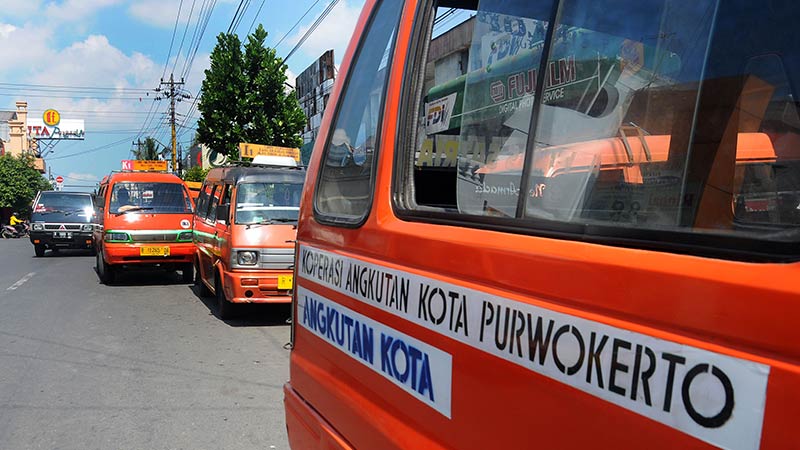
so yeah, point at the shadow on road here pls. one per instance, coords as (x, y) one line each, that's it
(64, 253)
(250, 315)
(143, 277)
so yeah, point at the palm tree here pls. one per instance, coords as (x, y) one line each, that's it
(147, 150)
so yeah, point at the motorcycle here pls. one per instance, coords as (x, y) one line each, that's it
(9, 232)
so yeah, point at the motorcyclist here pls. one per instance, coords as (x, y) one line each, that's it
(17, 223)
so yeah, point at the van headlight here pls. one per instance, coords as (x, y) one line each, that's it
(86, 227)
(247, 258)
(116, 237)
(185, 236)
(38, 227)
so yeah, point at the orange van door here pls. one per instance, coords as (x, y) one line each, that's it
(204, 232)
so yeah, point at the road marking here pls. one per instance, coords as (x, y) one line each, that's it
(22, 281)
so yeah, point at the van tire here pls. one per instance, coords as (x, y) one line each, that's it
(104, 270)
(38, 249)
(187, 273)
(224, 307)
(202, 289)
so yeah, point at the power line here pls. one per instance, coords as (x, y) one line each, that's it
(188, 66)
(235, 14)
(244, 11)
(256, 16)
(87, 88)
(102, 147)
(185, 29)
(172, 41)
(297, 23)
(311, 29)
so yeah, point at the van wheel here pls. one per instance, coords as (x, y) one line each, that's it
(202, 289)
(38, 249)
(224, 307)
(104, 270)
(187, 273)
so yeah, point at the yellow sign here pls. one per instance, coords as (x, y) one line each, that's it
(158, 166)
(51, 117)
(252, 150)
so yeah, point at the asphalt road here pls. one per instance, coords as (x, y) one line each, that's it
(142, 364)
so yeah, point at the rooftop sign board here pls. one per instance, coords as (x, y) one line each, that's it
(64, 129)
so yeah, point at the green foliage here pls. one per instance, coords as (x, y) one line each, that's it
(147, 150)
(221, 101)
(195, 173)
(19, 183)
(243, 98)
(273, 116)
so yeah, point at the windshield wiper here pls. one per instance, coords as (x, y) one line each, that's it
(134, 209)
(271, 221)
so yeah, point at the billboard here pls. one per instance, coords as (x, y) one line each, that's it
(315, 75)
(66, 129)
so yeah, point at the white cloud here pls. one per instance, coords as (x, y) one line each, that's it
(23, 49)
(6, 30)
(334, 32)
(75, 176)
(76, 10)
(19, 9)
(160, 13)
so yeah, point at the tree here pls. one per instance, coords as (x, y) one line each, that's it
(220, 103)
(274, 116)
(243, 97)
(195, 173)
(147, 150)
(19, 183)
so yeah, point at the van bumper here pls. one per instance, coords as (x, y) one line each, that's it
(255, 287)
(125, 254)
(77, 239)
(306, 428)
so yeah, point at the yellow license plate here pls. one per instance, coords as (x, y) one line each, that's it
(284, 281)
(153, 251)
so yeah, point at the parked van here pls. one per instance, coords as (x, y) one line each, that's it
(145, 220)
(555, 224)
(61, 220)
(244, 229)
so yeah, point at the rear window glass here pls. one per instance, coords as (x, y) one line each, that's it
(150, 197)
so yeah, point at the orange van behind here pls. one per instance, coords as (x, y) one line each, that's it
(145, 221)
(245, 227)
(553, 224)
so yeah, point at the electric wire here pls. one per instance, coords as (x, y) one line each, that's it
(311, 29)
(296, 23)
(172, 41)
(185, 29)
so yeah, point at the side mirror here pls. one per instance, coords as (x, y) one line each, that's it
(223, 211)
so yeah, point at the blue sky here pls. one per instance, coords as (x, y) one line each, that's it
(124, 44)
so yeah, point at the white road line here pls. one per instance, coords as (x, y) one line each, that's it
(22, 281)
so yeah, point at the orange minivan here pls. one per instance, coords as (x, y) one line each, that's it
(244, 230)
(144, 220)
(553, 224)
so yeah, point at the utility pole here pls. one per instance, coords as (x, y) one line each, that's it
(174, 92)
(138, 150)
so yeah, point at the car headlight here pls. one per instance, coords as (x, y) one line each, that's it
(247, 258)
(185, 236)
(38, 227)
(86, 227)
(117, 237)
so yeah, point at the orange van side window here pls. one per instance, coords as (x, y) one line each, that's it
(345, 184)
(622, 126)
